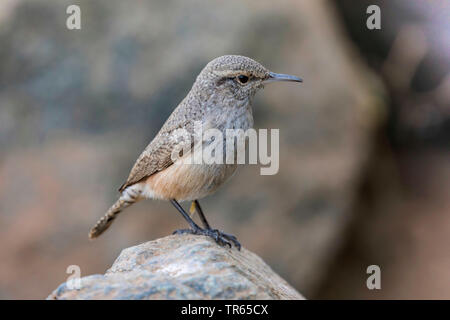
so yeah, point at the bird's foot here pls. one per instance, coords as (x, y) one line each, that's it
(220, 237)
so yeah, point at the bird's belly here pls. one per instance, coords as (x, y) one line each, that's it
(183, 181)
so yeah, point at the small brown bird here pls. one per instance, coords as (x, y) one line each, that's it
(220, 98)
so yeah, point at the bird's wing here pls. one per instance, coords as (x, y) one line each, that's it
(157, 155)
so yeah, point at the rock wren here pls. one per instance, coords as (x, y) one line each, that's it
(220, 98)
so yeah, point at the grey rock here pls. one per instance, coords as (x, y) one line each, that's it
(183, 267)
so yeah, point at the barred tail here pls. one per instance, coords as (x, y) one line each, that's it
(129, 196)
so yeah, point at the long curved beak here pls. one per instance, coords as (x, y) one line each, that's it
(282, 77)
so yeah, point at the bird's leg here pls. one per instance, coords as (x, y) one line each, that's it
(192, 209)
(220, 237)
(227, 236)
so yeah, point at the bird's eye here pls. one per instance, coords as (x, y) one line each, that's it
(242, 79)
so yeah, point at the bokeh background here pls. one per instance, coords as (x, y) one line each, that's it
(364, 142)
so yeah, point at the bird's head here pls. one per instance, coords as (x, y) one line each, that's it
(237, 77)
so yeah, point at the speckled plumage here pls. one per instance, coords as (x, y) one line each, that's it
(218, 100)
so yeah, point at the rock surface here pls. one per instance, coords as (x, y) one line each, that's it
(183, 267)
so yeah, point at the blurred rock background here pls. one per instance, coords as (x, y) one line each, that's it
(362, 180)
